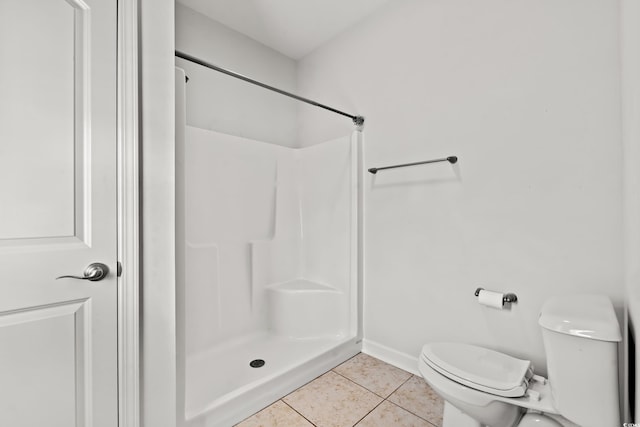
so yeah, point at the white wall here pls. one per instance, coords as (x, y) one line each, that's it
(527, 95)
(630, 43)
(219, 102)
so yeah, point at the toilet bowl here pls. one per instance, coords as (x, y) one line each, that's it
(486, 388)
(466, 377)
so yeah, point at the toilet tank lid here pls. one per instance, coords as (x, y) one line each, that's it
(585, 316)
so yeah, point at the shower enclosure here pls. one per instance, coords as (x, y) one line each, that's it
(268, 270)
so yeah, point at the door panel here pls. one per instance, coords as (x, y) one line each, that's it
(58, 343)
(38, 90)
(40, 346)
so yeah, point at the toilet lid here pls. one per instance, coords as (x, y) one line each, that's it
(479, 368)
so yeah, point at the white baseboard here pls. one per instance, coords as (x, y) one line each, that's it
(393, 357)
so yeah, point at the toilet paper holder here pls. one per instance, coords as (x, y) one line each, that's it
(506, 298)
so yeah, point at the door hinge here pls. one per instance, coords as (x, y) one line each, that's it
(119, 269)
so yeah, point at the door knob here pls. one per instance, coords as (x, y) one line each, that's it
(94, 272)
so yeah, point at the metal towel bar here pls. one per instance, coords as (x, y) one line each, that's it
(450, 159)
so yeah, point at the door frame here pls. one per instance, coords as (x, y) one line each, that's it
(128, 215)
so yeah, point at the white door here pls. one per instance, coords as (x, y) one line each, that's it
(58, 338)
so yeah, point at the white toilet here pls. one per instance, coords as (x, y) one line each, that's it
(485, 388)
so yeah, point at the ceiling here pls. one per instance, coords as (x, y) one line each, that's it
(292, 27)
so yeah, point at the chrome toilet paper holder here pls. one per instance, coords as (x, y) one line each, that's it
(510, 297)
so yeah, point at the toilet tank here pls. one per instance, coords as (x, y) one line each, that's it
(581, 336)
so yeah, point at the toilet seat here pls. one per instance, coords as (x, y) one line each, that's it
(479, 368)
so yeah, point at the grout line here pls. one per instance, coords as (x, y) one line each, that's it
(367, 414)
(384, 399)
(297, 412)
(365, 387)
(288, 394)
(409, 410)
(306, 384)
(351, 381)
(397, 388)
(405, 409)
(359, 385)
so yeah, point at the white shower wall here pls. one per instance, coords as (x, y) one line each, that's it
(259, 218)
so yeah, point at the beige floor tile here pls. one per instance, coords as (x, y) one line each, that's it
(417, 397)
(332, 401)
(373, 374)
(277, 415)
(388, 415)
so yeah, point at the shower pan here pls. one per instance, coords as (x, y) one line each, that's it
(268, 267)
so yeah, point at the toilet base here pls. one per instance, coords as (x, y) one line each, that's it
(454, 417)
(538, 420)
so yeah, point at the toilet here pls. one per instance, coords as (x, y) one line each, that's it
(486, 388)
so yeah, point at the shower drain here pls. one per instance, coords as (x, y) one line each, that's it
(257, 363)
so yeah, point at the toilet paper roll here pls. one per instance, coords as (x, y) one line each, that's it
(491, 299)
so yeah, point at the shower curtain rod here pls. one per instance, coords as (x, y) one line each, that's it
(357, 120)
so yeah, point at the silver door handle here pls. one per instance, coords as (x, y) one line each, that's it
(94, 272)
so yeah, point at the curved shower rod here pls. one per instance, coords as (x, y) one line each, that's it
(357, 120)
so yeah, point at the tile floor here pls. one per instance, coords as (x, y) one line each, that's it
(363, 392)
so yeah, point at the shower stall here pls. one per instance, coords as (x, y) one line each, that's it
(268, 264)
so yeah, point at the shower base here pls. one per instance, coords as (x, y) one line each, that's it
(221, 388)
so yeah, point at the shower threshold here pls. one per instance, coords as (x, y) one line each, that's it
(221, 379)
